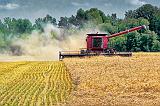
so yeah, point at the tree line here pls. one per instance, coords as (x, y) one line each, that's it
(144, 40)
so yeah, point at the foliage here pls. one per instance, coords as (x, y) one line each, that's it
(143, 40)
(149, 12)
(107, 27)
(40, 23)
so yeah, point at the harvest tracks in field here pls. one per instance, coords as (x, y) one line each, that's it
(33, 83)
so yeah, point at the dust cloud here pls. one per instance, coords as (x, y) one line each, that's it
(46, 45)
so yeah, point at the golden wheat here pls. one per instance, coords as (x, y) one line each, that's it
(33, 83)
(116, 80)
(97, 81)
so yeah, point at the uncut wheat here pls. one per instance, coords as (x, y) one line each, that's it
(34, 83)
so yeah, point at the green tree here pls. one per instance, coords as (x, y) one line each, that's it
(40, 23)
(143, 21)
(156, 23)
(23, 26)
(146, 11)
(146, 42)
(81, 17)
(156, 46)
(64, 22)
(94, 16)
(132, 41)
(73, 21)
(107, 27)
(149, 12)
(130, 14)
(17, 26)
(118, 43)
(49, 19)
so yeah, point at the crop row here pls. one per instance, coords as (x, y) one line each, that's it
(34, 83)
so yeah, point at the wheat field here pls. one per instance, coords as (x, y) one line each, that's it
(117, 81)
(33, 83)
(109, 81)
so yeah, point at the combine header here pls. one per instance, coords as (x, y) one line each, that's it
(97, 44)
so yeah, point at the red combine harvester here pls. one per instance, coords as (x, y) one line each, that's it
(97, 44)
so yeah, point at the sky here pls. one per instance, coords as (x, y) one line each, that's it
(33, 9)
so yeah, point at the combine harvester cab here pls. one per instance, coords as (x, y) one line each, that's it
(97, 44)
